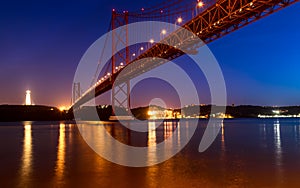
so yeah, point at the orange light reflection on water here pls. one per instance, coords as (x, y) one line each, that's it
(26, 162)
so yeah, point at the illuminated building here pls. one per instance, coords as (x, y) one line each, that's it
(28, 98)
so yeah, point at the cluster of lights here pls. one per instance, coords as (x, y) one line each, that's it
(120, 66)
(62, 108)
(163, 114)
(103, 79)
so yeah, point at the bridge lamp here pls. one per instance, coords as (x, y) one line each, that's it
(121, 64)
(200, 4)
(151, 41)
(133, 54)
(108, 74)
(142, 48)
(163, 31)
(179, 20)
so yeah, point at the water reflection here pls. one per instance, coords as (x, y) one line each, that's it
(223, 137)
(60, 160)
(26, 161)
(172, 130)
(151, 142)
(278, 151)
(151, 133)
(178, 134)
(277, 142)
(297, 132)
(71, 163)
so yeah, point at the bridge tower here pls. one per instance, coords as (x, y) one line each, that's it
(120, 92)
(76, 92)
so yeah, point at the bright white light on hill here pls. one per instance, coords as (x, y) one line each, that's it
(28, 98)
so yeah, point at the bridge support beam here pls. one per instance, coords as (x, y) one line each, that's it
(76, 93)
(120, 92)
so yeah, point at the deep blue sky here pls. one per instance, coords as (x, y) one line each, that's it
(41, 43)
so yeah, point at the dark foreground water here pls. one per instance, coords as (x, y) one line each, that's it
(246, 153)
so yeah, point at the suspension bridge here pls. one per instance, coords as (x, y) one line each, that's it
(208, 20)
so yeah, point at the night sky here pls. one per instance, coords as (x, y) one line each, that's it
(41, 43)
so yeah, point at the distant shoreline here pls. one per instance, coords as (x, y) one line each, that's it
(15, 113)
(10, 113)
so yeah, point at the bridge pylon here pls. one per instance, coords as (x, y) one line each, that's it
(76, 92)
(120, 92)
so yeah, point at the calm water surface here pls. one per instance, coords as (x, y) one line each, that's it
(246, 153)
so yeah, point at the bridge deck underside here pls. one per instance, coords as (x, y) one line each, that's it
(220, 19)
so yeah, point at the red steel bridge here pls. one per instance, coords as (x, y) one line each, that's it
(206, 20)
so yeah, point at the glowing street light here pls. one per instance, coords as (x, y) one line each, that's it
(179, 20)
(200, 4)
(162, 34)
(151, 41)
(142, 48)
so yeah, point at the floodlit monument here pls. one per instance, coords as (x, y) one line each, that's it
(28, 98)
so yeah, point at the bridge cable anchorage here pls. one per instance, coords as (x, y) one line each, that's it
(210, 21)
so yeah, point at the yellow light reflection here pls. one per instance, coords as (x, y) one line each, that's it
(26, 163)
(152, 142)
(278, 149)
(151, 133)
(178, 134)
(223, 146)
(277, 142)
(223, 137)
(60, 161)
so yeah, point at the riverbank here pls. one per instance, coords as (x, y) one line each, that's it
(31, 113)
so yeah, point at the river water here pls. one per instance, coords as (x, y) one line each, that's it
(246, 153)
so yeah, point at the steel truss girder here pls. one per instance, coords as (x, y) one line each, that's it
(218, 20)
